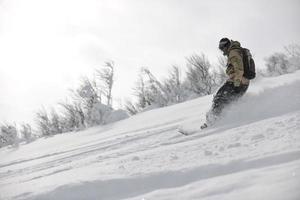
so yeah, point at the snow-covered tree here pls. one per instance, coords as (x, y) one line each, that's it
(9, 135)
(3, 141)
(293, 53)
(89, 97)
(98, 113)
(87, 93)
(277, 64)
(115, 115)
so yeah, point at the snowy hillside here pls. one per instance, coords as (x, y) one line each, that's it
(253, 153)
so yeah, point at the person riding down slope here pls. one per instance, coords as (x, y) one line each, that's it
(238, 64)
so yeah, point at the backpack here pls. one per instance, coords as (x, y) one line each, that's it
(249, 65)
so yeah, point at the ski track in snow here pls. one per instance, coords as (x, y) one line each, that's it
(253, 156)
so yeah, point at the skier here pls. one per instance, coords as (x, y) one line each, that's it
(239, 66)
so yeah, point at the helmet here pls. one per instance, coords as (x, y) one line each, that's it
(224, 44)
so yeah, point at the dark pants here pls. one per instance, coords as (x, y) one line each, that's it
(225, 95)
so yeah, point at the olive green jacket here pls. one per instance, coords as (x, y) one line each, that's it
(235, 66)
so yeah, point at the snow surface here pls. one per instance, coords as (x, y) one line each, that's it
(252, 153)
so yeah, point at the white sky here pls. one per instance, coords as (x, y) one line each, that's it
(45, 46)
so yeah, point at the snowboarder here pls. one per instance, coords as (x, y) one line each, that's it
(240, 69)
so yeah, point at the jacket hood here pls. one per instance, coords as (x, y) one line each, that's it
(234, 45)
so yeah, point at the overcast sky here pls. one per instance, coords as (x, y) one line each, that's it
(45, 46)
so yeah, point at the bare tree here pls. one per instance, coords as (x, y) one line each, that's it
(106, 77)
(173, 85)
(73, 116)
(293, 52)
(43, 122)
(131, 108)
(49, 124)
(200, 79)
(26, 132)
(141, 94)
(220, 74)
(156, 93)
(56, 122)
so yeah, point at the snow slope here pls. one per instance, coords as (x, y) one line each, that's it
(252, 153)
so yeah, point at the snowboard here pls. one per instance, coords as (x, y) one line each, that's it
(187, 132)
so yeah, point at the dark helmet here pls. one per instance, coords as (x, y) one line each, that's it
(224, 44)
